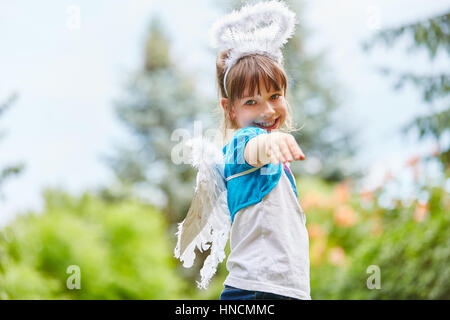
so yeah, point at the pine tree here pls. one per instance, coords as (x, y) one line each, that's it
(433, 36)
(160, 99)
(13, 169)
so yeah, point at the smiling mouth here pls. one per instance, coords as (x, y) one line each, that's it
(268, 125)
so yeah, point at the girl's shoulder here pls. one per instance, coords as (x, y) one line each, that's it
(250, 130)
(241, 136)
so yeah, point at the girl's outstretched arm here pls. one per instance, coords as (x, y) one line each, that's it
(273, 147)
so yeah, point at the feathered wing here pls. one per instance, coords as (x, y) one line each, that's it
(208, 222)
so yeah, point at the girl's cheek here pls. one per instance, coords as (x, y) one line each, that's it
(245, 118)
(246, 122)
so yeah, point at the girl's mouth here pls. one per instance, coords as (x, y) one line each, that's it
(267, 125)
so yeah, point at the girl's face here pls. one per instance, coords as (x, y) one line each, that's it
(267, 111)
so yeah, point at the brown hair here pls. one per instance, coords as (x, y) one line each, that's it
(248, 71)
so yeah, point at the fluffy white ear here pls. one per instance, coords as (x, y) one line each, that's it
(261, 28)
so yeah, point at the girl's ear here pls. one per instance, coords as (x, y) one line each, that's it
(226, 108)
(224, 103)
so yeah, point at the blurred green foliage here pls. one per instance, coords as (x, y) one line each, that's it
(122, 251)
(413, 256)
(349, 232)
(124, 248)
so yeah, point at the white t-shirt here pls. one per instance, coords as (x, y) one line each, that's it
(270, 246)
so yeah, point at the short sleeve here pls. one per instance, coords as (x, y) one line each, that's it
(247, 189)
(234, 150)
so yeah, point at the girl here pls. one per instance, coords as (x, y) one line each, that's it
(269, 244)
(252, 195)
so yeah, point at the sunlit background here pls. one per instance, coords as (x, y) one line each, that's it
(91, 92)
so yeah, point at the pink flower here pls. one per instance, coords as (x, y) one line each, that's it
(315, 231)
(341, 193)
(436, 151)
(311, 199)
(366, 195)
(421, 212)
(337, 256)
(345, 216)
(377, 228)
(388, 176)
(411, 162)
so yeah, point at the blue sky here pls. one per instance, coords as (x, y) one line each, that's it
(68, 78)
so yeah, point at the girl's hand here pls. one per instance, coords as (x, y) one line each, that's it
(274, 147)
(282, 147)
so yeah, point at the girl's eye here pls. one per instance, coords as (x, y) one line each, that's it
(276, 95)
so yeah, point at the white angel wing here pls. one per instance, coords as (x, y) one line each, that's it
(208, 221)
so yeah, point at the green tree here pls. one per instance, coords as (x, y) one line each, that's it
(121, 249)
(159, 99)
(12, 169)
(433, 36)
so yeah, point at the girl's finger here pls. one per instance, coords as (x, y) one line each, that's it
(273, 158)
(285, 151)
(276, 154)
(295, 149)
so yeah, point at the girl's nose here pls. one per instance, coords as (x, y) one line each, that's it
(268, 110)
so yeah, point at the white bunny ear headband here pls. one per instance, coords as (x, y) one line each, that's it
(262, 28)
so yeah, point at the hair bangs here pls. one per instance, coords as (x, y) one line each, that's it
(251, 71)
